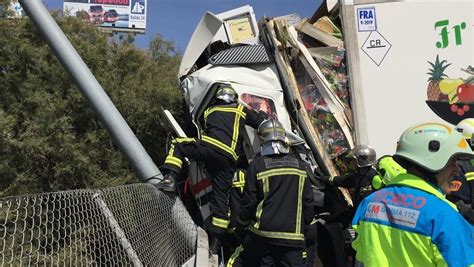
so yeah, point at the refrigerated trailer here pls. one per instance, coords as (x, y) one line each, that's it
(409, 62)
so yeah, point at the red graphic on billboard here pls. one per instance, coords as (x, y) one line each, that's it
(111, 2)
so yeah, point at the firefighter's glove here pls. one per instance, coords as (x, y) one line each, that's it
(324, 179)
(262, 115)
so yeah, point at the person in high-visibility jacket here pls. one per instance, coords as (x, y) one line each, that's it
(410, 222)
(462, 186)
(387, 169)
(219, 148)
(277, 206)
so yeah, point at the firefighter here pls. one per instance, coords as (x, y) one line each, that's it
(277, 206)
(219, 148)
(463, 192)
(360, 181)
(337, 227)
(410, 222)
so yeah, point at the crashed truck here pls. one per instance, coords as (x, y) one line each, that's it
(231, 48)
(344, 77)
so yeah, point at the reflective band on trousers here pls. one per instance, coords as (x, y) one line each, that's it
(220, 222)
(235, 255)
(170, 159)
(174, 161)
(183, 140)
(280, 235)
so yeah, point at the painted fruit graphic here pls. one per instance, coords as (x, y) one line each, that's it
(449, 88)
(465, 93)
(452, 99)
(436, 75)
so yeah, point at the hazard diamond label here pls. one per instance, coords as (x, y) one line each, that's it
(376, 47)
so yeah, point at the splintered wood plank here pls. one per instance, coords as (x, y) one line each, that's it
(334, 103)
(323, 37)
(284, 61)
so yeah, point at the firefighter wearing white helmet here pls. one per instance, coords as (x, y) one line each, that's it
(412, 209)
(277, 206)
(462, 186)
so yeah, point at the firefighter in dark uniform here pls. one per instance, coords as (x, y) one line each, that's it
(219, 148)
(335, 228)
(463, 194)
(277, 206)
(360, 181)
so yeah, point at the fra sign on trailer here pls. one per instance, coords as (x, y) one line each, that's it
(129, 15)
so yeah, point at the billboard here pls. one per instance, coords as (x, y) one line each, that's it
(13, 7)
(127, 15)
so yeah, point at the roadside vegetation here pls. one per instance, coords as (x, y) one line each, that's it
(50, 139)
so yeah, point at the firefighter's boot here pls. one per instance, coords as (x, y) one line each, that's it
(168, 182)
(215, 245)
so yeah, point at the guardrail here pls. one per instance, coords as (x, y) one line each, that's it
(126, 225)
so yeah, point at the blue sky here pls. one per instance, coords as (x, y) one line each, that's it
(176, 19)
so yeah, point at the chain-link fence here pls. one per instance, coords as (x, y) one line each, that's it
(127, 225)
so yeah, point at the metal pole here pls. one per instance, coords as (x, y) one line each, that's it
(92, 91)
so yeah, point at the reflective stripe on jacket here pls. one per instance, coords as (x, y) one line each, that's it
(410, 223)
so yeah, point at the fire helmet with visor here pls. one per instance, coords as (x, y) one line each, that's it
(364, 155)
(272, 135)
(227, 94)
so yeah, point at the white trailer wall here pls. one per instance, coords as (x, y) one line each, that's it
(389, 45)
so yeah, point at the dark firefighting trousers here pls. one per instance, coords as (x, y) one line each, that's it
(220, 169)
(256, 251)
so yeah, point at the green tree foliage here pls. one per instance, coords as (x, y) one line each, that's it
(50, 139)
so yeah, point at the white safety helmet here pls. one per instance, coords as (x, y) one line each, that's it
(466, 127)
(432, 146)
